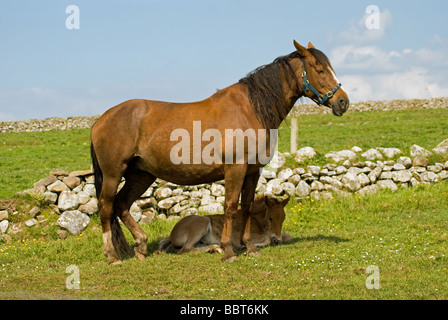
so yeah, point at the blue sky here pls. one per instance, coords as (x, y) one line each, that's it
(185, 50)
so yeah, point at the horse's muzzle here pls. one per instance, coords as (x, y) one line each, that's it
(340, 106)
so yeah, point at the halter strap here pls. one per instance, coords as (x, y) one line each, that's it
(321, 99)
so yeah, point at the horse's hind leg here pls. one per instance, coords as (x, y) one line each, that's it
(108, 220)
(137, 182)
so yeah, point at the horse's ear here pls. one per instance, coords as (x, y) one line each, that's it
(302, 50)
(285, 202)
(311, 46)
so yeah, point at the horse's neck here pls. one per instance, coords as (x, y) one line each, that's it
(292, 85)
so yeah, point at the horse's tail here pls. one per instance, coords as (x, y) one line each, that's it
(118, 239)
(164, 244)
(96, 171)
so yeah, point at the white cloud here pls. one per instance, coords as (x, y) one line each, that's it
(357, 33)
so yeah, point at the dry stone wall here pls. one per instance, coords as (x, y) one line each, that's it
(72, 194)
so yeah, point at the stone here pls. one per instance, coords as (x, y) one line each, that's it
(298, 171)
(442, 151)
(317, 186)
(303, 189)
(294, 179)
(341, 169)
(435, 169)
(398, 167)
(50, 197)
(405, 161)
(91, 207)
(163, 193)
(314, 170)
(374, 174)
(429, 176)
(189, 212)
(277, 161)
(3, 215)
(363, 179)
(273, 187)
(34, 211)
(83, 197)
(356, 149)
(386, 184)
(31, 222)
(71, 182)
(285, 174)
(390, 152)
(386, 175)
(371, 189)
(304, 154)
(331, 181)
(420, 162)
(213, 208)
(68, 200)
(177, 208)
(289, 188)
(341, 155)
(417, 151)
(74, 221)
(58, 186)
(167, 203)
(217, 190)
(372, 154)
(59, 172)
(207, 199)
(443, 175)
(90, 189)
(148, 193)
(351, 181)
(4, 226)
(80, 173)
(402, 176)
(135, 212)
(268, 173)
(444, 143)
(45, 181)
(62, 234)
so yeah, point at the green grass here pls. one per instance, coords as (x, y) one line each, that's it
(28, 157)
(397, 129)
(404, 234)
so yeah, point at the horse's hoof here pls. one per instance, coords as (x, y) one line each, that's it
(115, 262)
(140, 256)
(253, 253)
(229, 259)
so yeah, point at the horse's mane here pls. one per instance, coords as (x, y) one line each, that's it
(266, 88)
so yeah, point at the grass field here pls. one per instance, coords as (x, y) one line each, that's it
(402, 234)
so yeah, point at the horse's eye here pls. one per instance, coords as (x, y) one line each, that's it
(320, 71)
(270, 219)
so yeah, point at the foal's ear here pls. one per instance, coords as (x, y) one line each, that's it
(302, 50)
(311, 46)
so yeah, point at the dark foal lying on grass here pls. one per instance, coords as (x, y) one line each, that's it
(204, 232)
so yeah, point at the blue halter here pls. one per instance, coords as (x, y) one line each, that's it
(321, 99)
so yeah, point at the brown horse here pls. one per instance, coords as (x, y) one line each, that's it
(205, 232)
(139, 140)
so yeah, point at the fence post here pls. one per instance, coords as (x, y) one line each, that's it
(294, 133)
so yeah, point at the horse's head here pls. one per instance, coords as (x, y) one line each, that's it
(319, 80)
(276, 214)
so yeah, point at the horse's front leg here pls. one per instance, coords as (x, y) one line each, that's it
(247, 201)
(234, 178)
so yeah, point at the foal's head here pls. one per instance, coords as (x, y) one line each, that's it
(319, 80)
(269, 214)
